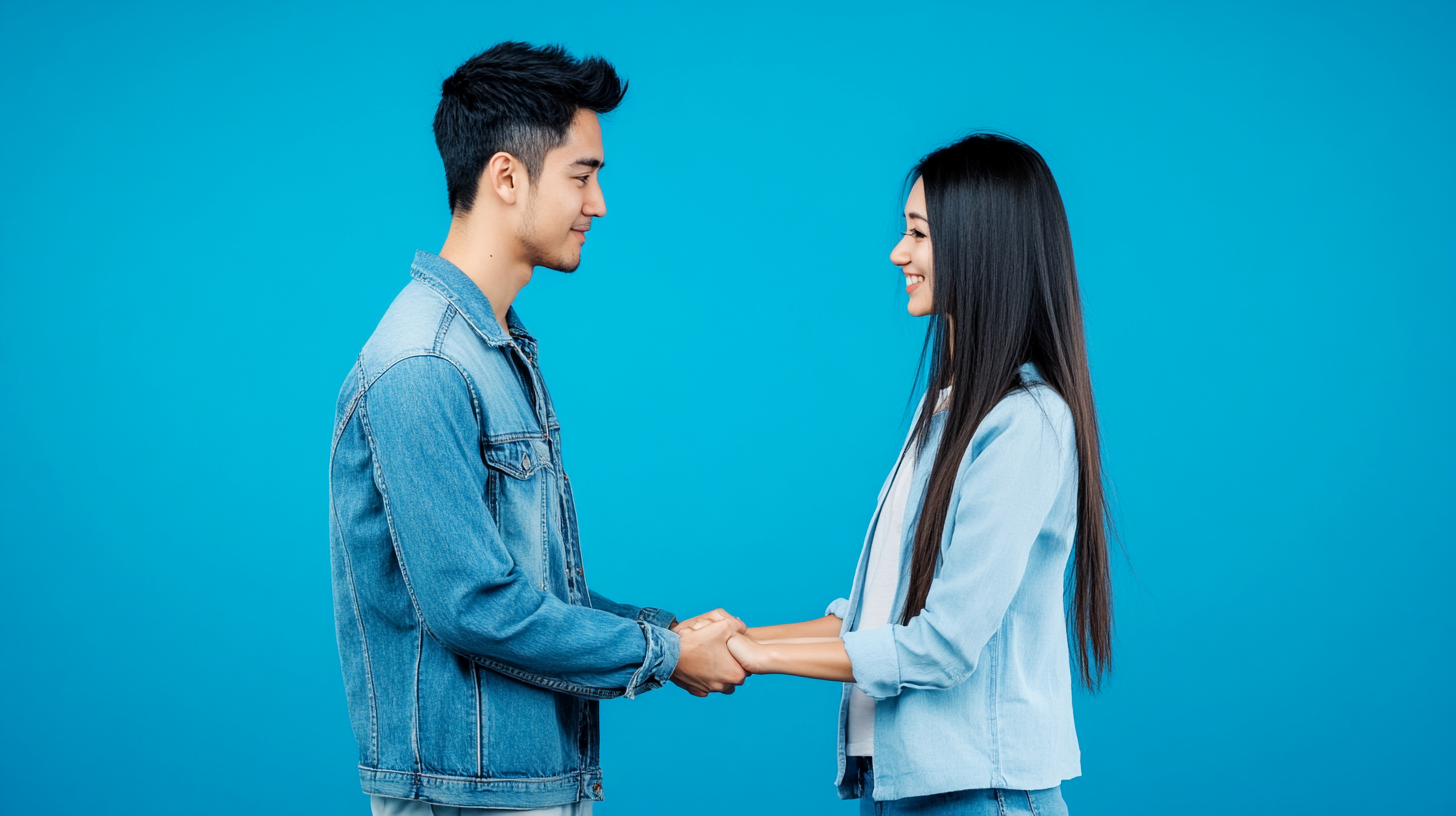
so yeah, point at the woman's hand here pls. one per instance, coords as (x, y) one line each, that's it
(705, 619)
(748, 652)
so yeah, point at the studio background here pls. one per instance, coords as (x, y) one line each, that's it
(205, 209)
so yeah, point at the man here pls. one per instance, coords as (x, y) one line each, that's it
(473, 652)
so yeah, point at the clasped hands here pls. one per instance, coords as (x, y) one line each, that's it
(719, 652)
(705, 664)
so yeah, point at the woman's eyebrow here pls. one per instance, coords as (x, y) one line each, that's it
(917, 216)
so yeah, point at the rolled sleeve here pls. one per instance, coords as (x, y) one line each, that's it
(657, 617)
(645, 614)
(663, 649)
(839, 608)
(875, 661)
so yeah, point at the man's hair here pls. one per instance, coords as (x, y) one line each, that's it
(519, 99)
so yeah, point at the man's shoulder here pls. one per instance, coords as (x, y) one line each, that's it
(418, 323)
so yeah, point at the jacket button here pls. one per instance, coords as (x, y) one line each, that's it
(579, 572)
(597, 788)
(526, 461)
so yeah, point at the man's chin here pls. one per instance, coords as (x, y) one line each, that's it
(562, 264)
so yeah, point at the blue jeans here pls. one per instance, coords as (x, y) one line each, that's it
(974, 802)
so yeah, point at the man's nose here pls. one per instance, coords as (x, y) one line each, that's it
(595, 205)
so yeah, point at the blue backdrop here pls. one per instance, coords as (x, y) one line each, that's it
(204, 211)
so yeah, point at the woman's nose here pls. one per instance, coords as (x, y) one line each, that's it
(900, 256)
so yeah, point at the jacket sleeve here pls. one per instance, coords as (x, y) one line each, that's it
(649, 614)
(420, 420)
(1006, 487)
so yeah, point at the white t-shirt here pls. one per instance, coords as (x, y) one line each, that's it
(882, 578)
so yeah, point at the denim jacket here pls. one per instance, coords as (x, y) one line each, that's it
(976, 692)
(473, 652)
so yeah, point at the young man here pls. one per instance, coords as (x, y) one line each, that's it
(473, 652)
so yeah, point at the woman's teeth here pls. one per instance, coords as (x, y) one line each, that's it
(911, 280)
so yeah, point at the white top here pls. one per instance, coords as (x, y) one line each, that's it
(882, 578)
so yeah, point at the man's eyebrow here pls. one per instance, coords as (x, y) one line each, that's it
(589, 161)
(917, 215)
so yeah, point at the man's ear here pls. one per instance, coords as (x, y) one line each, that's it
(506, 176)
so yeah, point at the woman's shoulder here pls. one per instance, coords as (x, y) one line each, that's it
(1029, 413)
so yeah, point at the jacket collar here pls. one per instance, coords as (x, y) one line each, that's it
(453, 285)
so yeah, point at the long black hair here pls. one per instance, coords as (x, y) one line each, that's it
(1004, 292)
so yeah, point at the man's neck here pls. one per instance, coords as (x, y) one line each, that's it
(492, 260)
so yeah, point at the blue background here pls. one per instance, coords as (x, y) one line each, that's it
(204, 211)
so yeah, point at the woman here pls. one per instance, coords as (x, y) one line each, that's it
(953, 636)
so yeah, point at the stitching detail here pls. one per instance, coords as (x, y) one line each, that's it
(1031, 803)
(354, 588)
(545, 682)
(444, 293)
(446, 778)
(415, 726)
(479, 732)
(997, 777)
(445, 320)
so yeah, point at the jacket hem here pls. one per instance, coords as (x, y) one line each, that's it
(462, 791)
(904, 786)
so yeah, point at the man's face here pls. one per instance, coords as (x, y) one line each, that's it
(567, 196)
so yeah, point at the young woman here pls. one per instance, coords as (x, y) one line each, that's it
(953, 642)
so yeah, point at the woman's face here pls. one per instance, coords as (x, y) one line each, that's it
(913, 255)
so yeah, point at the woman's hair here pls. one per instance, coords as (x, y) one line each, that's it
(1005, 293)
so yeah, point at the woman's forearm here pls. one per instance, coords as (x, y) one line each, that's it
(823, 660)
(827, 626)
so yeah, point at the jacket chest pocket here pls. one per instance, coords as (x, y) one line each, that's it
(517, 493)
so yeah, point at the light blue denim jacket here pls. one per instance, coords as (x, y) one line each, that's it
(473, 652)
(976, 692)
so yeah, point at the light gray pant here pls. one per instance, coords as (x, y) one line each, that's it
(385, 806)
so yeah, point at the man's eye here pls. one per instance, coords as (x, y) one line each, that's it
(582, 179)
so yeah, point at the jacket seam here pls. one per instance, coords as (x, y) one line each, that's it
(479, 732)
(544, 682)
(445, 294)
(415, 725)
(446, 778)
(445, 320)
(354, 587)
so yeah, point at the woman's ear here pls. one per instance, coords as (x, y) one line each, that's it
(505, 176)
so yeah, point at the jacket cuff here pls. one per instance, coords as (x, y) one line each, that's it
(875, 661)
(839, 608)
(659, 662)
(655, 616)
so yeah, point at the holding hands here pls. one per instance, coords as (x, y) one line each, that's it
(705, 665)
(719, 652)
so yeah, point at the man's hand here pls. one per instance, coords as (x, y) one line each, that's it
(704, 664)
(706, 618)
